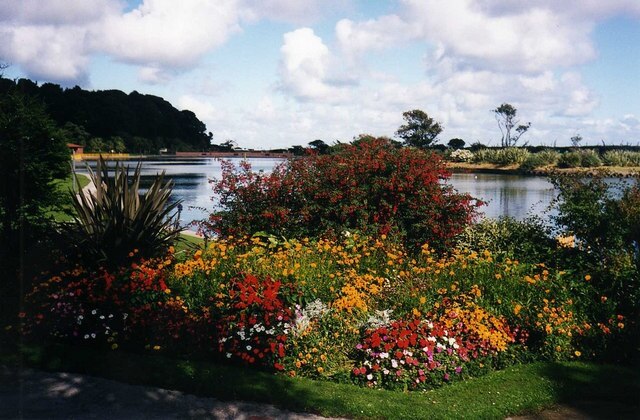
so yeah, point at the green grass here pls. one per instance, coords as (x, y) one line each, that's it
(516, 390)
(62, 187)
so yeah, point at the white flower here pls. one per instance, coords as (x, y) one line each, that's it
(228, 355)
(86, 336)
(248, 347)
(385, 371)
(384, 355)
(369, 377)
(93, 312)
(93, 335)
(394, 363)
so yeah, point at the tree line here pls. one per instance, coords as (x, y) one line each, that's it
(111, 120)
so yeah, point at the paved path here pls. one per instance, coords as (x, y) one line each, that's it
(33, 394)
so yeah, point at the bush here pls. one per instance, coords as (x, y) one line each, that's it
(526, 240)
(570, 160)
(590, 159)
(461, 155)
(116, 220)
(370, 185)
(540, 159)
(621, 158)
(581, 158)
(506, 156)
(605, 220)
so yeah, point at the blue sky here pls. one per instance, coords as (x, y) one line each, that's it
(276, 73)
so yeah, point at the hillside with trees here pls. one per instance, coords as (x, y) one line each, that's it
(106, 120)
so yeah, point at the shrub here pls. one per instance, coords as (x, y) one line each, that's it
(526, 240)
(582, 158)
(621, 158)
(506, 156)
(116, 219)
(370, 185)
(590, 159)
(540, 159)
(461, 155)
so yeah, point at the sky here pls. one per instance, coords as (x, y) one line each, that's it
(277, 73)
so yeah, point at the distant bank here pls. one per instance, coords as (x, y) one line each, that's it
(221, 155)
(239, 153)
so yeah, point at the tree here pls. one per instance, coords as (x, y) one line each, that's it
(31, 157)
(456, 143)
(420, 130)
(575, 140)
(506, 115)
(320, 146)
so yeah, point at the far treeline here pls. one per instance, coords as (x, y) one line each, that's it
(111, 120)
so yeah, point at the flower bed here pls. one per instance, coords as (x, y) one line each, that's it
(356, 309)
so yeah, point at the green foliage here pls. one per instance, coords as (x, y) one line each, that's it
(621, 158)
(420, 130)
(540, 159)
(605, 219)
(525, 240)
(111, 113)
(505, 156)
(31, 158)
(580, 158)
(456, 143)
(116, 219)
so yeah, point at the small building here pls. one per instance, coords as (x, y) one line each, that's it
(76, 149)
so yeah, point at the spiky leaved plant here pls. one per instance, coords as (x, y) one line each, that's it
(115, 219)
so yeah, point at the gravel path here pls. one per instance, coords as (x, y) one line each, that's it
(33, 394)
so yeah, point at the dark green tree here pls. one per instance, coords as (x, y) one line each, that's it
(420, 130)
(320, 146)
(456, 143)
(31, 157)
(506, 115)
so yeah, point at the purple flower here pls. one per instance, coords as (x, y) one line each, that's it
(446, 376)
(459, 369)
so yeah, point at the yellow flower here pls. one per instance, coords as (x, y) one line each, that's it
(577, 353)
(156, 347)
(423, 300)
(320, 369)
(587, 277)
(167, 291)
(114, 346)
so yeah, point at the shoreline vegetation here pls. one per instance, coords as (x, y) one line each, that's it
(514, 169)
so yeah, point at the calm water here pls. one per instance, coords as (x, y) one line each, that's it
(511, 195)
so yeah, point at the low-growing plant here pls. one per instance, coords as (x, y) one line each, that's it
(461, 155)
(504, 157)
(579, 158)
(540, 159)
(526, 240)
(621, 158)
(116, 219)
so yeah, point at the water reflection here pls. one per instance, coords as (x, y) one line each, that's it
(507, 195)
(510, 195)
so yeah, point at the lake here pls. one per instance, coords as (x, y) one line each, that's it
(510, 195)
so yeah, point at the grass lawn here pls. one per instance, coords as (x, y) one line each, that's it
(516, 390)
(62, 187)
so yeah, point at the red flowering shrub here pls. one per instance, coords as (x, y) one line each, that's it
(370, 185)
(255, 327)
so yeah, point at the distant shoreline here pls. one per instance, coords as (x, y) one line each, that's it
(490, 168)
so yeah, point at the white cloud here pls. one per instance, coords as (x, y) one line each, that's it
(305, 67)
(46, 52)
(165, 33)
(302, 12)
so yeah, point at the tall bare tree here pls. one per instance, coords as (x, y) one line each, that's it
(506, 115)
